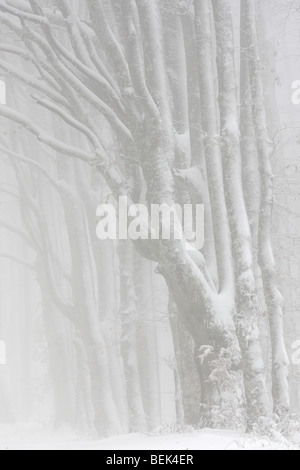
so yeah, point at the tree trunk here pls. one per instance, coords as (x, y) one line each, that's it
(266, 260)
(129, 317)
(147, 342)
(246, 299)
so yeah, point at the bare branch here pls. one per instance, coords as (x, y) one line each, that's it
(83, 63)
(114, 52)
(97, 61)
(69, 120)
(33, 82)
(64, 74)
(135, 59)
(17, 231)
(18, 51)
(17, 260)
(45, 138)
(10, 193)
(21, 14)
(60, 186)
(74, 32)
(53, 16)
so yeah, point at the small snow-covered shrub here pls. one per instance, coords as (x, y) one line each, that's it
(227, 384)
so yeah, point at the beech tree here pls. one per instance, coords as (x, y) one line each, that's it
(148, 94)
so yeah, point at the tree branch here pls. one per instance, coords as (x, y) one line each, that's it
(17, 231)
(33, 82)
(17, 260)
(135, 60)
(64, 74)
(82, 62)
(114, 52)
(45, 138)
(91, 136)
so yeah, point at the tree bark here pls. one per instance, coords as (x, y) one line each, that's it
(245, 287)
(280, 368)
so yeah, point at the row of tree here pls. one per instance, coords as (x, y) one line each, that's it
(161, 102)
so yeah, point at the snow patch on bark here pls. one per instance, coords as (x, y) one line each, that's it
(192, 176)
(232, 127)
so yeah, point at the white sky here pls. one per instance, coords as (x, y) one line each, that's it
(2, 92)
(2, 353)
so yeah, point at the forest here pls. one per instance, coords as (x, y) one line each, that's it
(171, 103)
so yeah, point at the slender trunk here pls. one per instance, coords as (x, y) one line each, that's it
(197, 142)
(86, 314)
(246, 300)
(179, 389)
(59, 334)
(106, 286)
(188, 389)
(107, 419)
(266, 260)
(6, 409)
(204, 40)
(129, 315)
(251, 188)
(147, 343)
(84, 406)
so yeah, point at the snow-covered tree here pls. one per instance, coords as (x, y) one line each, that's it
(145, 96)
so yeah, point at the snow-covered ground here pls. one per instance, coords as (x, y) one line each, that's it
(27, 437)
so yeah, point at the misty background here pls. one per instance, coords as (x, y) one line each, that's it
(106, 337)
